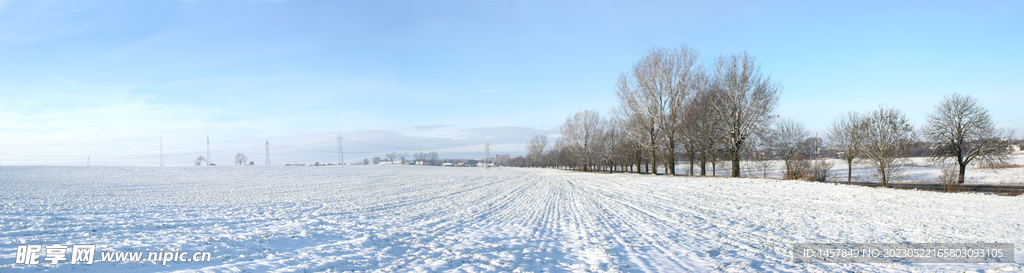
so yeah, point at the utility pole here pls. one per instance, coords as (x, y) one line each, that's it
(814, 154)
(341, 153)
(487, 154)
(268, 151)
(161, 151)
(208, 150)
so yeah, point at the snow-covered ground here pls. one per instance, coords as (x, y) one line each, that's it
(915, 170)
(414, 218)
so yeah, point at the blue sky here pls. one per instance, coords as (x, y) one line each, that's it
(108, 79)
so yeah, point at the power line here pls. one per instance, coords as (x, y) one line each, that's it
(307, 149)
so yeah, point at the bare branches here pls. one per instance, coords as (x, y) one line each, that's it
(789, 134)
(745, 101)
(652, 97)
(391, 156)
(888, 137)
(581, 132)
(962, 130)
(668, 104)
(846, 134)
(535, 150)
(703, 128)
(241, 159)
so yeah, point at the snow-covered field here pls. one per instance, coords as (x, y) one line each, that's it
(915, 170)
(412, 218)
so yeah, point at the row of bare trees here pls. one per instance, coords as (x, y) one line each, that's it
(425, 158)
(672, 108)
(959, 130)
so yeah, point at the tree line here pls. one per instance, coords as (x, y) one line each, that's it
(672, 108)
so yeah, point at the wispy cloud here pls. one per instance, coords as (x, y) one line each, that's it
(882, 59)
(429, 127)
(491, 90)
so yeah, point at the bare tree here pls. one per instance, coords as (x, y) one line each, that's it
(652, 96)
(641, 135)
(200, 160)
(391, 156)
(703, 129)
(691, 145)
(811, 147)
(788, 135)
(376, 160)
(366, 161)
(240, 159)
(681, 77)
(518, 161)
(502, 160)
(888, 136)
(745, 101)
(535, 150)
(580, 133)
(420, 157)
(762, 152)
(432, 158)
(558, 155)
(846, 134)
(610, 146)
(402, 156)
(962, 131)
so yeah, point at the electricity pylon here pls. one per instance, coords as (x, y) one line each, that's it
(487, 154)
(268, 151)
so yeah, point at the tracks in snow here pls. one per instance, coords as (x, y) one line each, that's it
(404, 218)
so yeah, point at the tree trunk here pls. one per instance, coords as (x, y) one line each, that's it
(691, 164)
(960, 179)
(671, 166)
(885, 183)
(654, 162)
(714, 167)
(638, 163)
(849, 170)
(736, 165)
(703, 165)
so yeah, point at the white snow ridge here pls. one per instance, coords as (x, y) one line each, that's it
(409, 218)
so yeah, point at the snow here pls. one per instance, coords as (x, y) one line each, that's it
(418, 218)
(916, 170)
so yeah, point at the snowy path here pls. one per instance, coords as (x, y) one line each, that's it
(408, 218)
